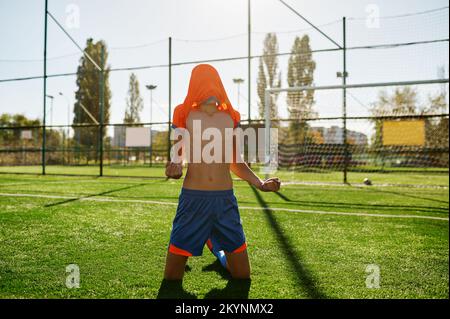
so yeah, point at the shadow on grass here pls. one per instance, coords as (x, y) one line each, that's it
(235, 289)
(94, 195)
(304, 277)
(173, 289)
(217, 267)
(407, 195)
(86, 195)
(392, 208)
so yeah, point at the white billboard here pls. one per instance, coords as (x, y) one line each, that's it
(26, 135)
(137, 137)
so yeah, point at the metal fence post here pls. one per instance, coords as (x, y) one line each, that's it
(45, 91)
(170, 100)
(344, 100)
(102, 102)
(249, 62)
(267, 124)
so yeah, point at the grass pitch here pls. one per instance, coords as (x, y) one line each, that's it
(398, 176)
(308, 241)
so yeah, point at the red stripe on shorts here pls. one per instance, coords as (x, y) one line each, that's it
(240, 249)
(178, 251)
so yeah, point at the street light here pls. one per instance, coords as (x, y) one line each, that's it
(238, 81)
(51, 97)
(68, 120)
(151, 87)
(68, 111)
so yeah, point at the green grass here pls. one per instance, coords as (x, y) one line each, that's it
(110, 228)
(135, 171)
(397, 176)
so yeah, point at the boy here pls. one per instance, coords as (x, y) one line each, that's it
(207, 212)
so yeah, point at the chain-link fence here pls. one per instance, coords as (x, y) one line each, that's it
(394, 129)
(394, 136)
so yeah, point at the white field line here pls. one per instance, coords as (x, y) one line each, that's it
(48, 182)
(87, 198)
(91, 180)
(361, 185)
(300, 183)
(317, 212)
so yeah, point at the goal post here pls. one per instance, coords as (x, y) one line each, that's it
(369, 150)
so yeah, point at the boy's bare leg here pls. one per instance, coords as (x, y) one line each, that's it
(175, 265)
(238, 265)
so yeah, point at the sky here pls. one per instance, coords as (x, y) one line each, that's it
(137, 32)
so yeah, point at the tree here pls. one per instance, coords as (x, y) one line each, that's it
(88, 95)
(301, 69)
(403, 101)
(268, 74)
(134, 102)
(437, 128)
(160, 144)
(13, 139)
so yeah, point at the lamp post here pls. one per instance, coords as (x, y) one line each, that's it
(68, 111)
(68, 119)
(238, 81)
(51, 97)
(44, 133)
(151, 87)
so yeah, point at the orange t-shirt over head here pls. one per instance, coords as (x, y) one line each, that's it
(205, 83)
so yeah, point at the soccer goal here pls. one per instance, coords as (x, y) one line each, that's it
(371, 127)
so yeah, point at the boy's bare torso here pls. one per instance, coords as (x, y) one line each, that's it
(208, 176)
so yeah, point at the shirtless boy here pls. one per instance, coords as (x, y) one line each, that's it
(207, 212)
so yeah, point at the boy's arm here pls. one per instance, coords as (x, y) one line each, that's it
(174, 167)
(241, 169)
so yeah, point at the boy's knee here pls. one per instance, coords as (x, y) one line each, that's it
(241, 276)
(175, 266)
(173, 273)
(238, 265)
(172, 277)
(240, 273)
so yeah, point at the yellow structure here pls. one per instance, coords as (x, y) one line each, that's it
(405, 132)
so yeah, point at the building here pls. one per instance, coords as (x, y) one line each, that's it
(335, 135)
(118, 139)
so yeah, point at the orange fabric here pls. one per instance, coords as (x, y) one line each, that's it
(205, 83)
(178, 251)
(240, 249)
(209, 244)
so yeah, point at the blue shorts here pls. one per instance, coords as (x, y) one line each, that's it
(206, 216)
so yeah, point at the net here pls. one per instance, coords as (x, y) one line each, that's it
(388, 127)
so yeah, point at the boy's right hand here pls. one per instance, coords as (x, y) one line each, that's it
(174, 170)
(270, 185)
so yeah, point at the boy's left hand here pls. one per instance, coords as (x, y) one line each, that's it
(270, 185)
